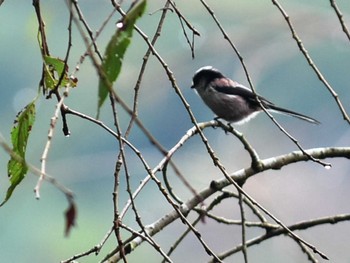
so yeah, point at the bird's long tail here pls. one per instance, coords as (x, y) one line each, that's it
(291, 113)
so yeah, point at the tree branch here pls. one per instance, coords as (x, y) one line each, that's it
(273, 163)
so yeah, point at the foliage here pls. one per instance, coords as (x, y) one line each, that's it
(54, 68)
(116, 48)
(17, 167)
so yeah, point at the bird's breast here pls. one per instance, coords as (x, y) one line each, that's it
(232, 108)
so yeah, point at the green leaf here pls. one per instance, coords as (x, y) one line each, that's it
(116, 48)
(53, 70)
(16, 167)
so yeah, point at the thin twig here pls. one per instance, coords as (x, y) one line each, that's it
(120, 162)
(226, 221)
(47, 147)
(243, 228)
(166, 159)
(309, 254)
(188, 24)
(249, 204)
(202, 212)
(311, 62)
(69, 46)
(247, 146)
(181, 16)
(340, 17)
(88, 29)
(96, 249)
(280, 231)
(149, 240)
(226, 37)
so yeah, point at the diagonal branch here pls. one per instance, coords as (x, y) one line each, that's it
(311, 62)
(280, 231)
(241, 175)
(340, 17)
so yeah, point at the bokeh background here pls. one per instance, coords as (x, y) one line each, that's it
(33, 231)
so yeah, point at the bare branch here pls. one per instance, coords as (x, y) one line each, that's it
(311, 62)
(280, 231)
(47, 147)
(243, 221)
(267, 164)
(340, 17)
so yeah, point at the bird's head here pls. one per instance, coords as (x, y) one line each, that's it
(204, 76)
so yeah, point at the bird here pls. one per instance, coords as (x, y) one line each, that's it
(231, 101)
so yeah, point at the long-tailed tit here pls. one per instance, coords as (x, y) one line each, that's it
(232, 101)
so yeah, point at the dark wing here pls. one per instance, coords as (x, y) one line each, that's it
(230, 87)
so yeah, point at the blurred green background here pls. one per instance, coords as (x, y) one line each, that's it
(33, 231)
